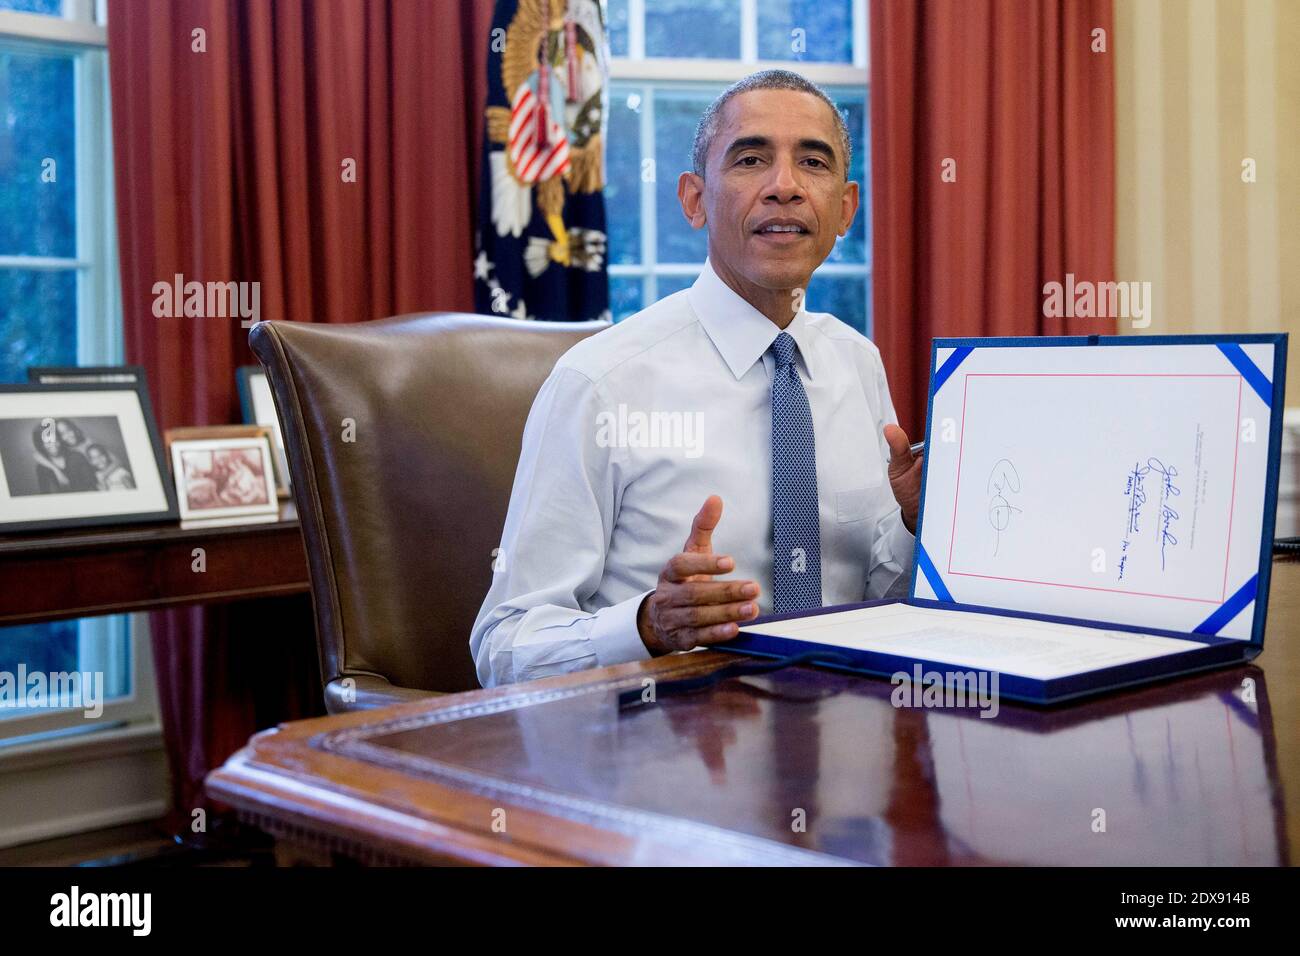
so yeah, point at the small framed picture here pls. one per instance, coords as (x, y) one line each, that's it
(79, 455)
(86, 375)
(207, 432)
(259, 408)
(223, 478)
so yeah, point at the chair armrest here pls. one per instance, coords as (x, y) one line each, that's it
(366, 692)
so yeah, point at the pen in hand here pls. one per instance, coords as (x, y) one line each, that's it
(915, 449)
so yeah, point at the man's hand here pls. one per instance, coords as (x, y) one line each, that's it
(687, 607)
(904, 474)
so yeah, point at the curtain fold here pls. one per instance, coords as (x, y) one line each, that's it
(993, 173)
(329, 152)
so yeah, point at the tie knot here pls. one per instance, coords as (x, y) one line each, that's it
(782, 349)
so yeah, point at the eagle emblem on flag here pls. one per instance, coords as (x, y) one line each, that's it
(541, 238)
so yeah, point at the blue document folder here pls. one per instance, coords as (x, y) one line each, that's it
(1096, 512)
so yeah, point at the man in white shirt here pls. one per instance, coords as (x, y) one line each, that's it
(729, 391)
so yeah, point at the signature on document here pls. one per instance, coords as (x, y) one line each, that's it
(1003, 480)
(1136, 492)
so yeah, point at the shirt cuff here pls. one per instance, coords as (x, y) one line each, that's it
(614, 634)
(902, 543)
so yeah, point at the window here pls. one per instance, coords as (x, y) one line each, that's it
(59, 300)
(58, 271)
(653, 113)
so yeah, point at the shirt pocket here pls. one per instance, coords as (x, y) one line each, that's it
(853, 505)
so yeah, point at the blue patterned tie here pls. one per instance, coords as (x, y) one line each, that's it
(796, 533)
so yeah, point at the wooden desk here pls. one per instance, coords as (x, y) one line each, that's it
(1187, 772)
(64, 574)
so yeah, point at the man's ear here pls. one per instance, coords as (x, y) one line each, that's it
(848, 206)
(690, 193)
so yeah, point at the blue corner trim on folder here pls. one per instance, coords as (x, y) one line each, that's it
(950, 365)
(931, 574)
(1228, 609)
(1249, 371)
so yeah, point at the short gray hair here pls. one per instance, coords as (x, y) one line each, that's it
(763, 80)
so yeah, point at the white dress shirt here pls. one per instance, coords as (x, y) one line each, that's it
(633, 430)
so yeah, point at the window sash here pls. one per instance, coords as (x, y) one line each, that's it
(99, 306)
(647, 84)
(81, 34)
(636, 65)
(82, 24)
(94, 637)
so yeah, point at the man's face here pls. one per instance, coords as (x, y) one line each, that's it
(776, 161)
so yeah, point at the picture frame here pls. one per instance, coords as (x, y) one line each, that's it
(220, 479)
(81, 454)
(86, 374)
(207, 432)
(258, 408)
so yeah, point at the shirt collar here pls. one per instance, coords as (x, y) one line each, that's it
(739, 332)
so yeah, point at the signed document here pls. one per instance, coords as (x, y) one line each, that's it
(1106, 483)
(1096, 512)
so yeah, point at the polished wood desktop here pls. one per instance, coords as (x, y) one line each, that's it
(79, 573)
(799, 766)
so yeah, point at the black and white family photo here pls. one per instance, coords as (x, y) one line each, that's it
(49, 456)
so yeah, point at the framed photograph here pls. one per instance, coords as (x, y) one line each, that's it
(207, 432)
(223, 478)
(259, 408)
(80, 455)
(86, 375)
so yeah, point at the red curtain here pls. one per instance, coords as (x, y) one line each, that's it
(238, 126)
(1007, 99)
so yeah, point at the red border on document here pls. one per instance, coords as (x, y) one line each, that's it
(1232, 505)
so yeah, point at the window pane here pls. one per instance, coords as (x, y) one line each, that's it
(676, 116)
(818, 31)
(98, 646)
(670, 284)
(625, 296)
(855, 245)
(38, 320)
(53, 7)
(39, 647)
(842, 296)
(693, 28)
(37, 198)
(623, 175)
(617, 25)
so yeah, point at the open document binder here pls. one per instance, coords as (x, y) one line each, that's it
(1096, 512)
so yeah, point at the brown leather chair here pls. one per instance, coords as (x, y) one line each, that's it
(403, 436)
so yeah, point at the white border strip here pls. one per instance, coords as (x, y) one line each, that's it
(34, 26)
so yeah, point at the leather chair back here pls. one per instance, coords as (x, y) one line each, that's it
(403, 436)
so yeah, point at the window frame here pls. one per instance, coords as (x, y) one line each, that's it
(81, 34)
(652, 74)
(138, 706)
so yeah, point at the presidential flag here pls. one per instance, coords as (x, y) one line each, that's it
(540, 242)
